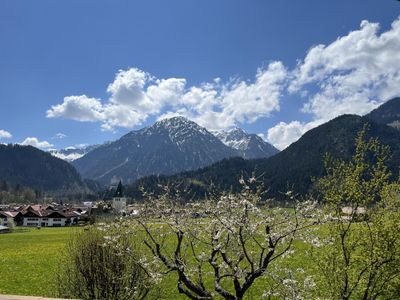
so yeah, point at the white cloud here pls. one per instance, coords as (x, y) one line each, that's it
(78, 108)
(60, 136)
(33, 141)
(248, 102)
(135, 95)
(353, 74)
(283, 134)
(220, 106)
(128, 88)
(5, 134)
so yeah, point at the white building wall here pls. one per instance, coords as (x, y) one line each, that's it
(31, 221)
(57, 222)
(48, 222)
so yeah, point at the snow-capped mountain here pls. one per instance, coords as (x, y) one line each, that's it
(70, 154)
(169, 146)
(248, 145)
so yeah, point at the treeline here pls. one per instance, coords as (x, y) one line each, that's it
(18, 194)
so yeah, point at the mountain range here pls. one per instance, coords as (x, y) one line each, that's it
(167, 147)
(294, 167)
(197, 162)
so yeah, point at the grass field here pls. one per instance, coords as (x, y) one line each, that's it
(29, 260)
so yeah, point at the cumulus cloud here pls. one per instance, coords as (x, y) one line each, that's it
(33, 141)
(78, 108)
(283, 134)
(135, 95)
(354, 74)
(5, 134)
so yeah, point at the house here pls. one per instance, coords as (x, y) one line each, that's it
(38, 215)
(48, 217)
(16, 216)
(54, 219)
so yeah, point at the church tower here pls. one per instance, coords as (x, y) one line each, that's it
(119, 201)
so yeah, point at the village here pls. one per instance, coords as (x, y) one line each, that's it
(61, 215)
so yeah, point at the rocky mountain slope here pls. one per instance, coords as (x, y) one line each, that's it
(167, 147)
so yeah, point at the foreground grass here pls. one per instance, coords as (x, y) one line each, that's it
(30, 259)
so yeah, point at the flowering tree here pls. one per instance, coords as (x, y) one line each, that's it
(222, 247)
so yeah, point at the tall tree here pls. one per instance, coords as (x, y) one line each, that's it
(359, 257)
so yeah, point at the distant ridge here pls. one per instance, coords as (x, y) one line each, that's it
(39, 170)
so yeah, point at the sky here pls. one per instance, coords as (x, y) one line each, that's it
(85, 72)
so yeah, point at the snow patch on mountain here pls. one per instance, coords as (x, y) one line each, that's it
(248, 145)
(236, 138)
(72, 153)
(67, 157)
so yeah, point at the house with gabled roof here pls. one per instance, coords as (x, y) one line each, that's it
(48, 217)
(15, 216)
(31, 218)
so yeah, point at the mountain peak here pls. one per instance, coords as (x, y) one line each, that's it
(177, 120)
(249, 145)
(179, 128)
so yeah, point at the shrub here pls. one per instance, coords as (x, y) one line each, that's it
(102, 265)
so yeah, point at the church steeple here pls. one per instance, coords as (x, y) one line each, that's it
(118, 192)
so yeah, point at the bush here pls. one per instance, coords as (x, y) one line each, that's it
(100, 265)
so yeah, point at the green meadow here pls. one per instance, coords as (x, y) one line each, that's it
(30, 260)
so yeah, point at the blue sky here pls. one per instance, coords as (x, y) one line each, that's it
(84, 72)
